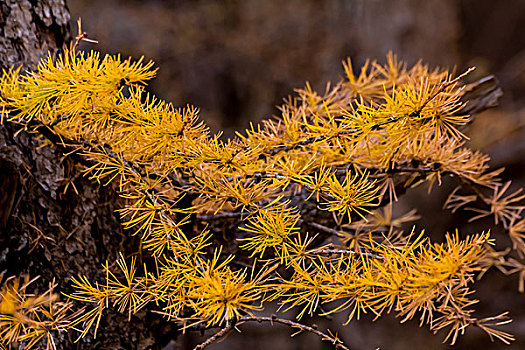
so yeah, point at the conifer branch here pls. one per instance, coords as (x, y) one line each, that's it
(351, 152)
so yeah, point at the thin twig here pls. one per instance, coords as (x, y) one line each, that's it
(310, 140)
(81, 36)
(324, 228)
(344, 251)
(214, 337)
(220, 216)
(302, 328)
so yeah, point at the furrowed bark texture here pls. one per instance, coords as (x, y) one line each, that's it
(55, 223)
(29, 29)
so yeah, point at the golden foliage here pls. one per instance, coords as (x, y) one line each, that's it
(347, 152)
(32, 318)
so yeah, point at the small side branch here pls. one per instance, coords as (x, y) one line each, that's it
(214, 337)
(338, 343)
(223, 215)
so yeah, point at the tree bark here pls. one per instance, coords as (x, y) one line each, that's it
(54, 223)
(29, 29)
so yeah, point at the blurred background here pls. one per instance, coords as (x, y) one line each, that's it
(237, 60)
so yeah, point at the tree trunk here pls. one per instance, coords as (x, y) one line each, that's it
(54, 223)
(29, 29)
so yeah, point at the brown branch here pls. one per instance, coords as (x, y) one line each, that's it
(338, 343)
(214, 337)
(302, 328)
(335, 250)
(344, 251)
(443, 87)
(324, 228)
(480, 95)
(224, 215)
(311, 140)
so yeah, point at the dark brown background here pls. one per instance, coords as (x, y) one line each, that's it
(236, 60)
